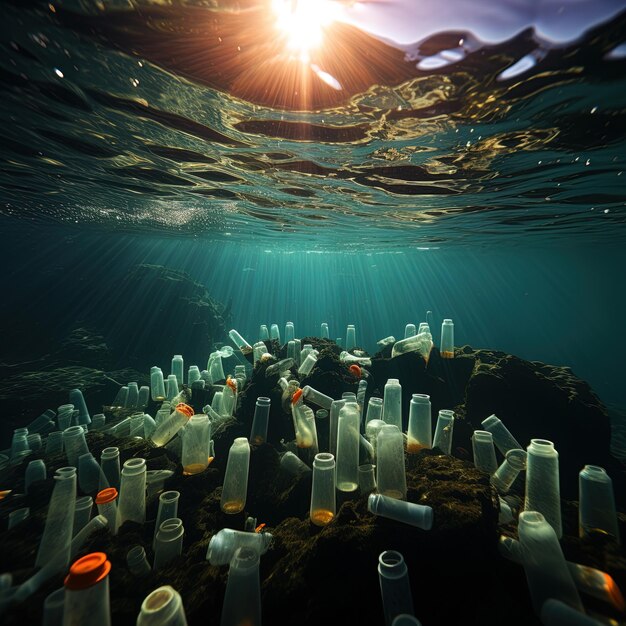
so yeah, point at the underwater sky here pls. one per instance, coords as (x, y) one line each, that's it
(349, 162)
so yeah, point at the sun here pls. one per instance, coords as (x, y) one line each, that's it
(302, 23)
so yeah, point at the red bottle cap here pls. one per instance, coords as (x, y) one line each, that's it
(185, 409)
(356, 370)
(296, 396)
(88, 571)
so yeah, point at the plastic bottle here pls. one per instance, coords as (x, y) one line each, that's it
(177, 368)
(422, 343)
(420, 428)
(172, 424)
(168, 509)
(410, 513)
(54, 547)
(289, 332)
(390, 471)
(157, 384)
(132, 401)
(542, 482)
(34, 441)
(323, 504)
(410, 331)
(484, 452)
(78, 400)
(348, 448)
(324, 334)
(395, 588)
(235, 488)
(275, 333)
(514, 462)
(596, 511)
(106, 501)
(121, 397)
(53, 608)
(35, 471)
(447, 339)
(392, 403)
(264, 333)
(293, 465)
(372, 428)
(82, 513)
(17, 516)
(54, 443)
(374, 409)
(308, 364)
(132, 499)
(227, 541)
(242, 600)
(335, 408)
(547, 573)
(74, 444)
(89, 473)
(110, 466)
(137, 562)
(98, 421)
(196, 437)
(87, 592)
(317, 397)
(171, 387)
(350, 337)
(260, 421)
(240, 342)
(162, 607)
(367, 478)
(502, 437)
(444, 430)
(143, 396)
(168, 543)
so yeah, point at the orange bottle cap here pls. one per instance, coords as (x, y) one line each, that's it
(356, 370)
(185, 409)
(87, 571)
(296, 396)
(106, 495)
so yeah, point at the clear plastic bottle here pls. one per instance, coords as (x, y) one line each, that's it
(484, 452)
(242, 600)
(132, 400)
(367, 478)
(171, 387)
(157, 384)
(235, 488)
(324, 334)
(260, 422)
(82, 513)
(289, 332)
(90, 476)
(132, 499)
(172, 424)
(335, 408)
(323, 503)
(162, 607)
(372, 428)
(78, 400)
(168, 543)
(348, 448)
(546, 570)
(420, 430)
(275, 332)
(177, 368)
(350, 337)
(87, 592)
(54, 443)
(444, 431)
(317, 397)
(110, 465)
(227, 541)
(74, 444)
(374, 409)
(168, 509)
(543, 492)
(106, 501)
(395, 588)
(392, 403)
(54, 547)
(308, 364)
(410, 331)
(264, 333)
(514, 462)
(447, 339)
(196, 437)
(137, 562)
(35, 472)
(390, 470)
(596, 511)
(502, 437)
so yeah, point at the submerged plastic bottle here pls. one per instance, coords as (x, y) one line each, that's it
(514, 462)
(390, 470)
(242, 600)
(350, 337)
(348, 448)
(420, 429)
(240, 342)
(168, 543)
(484, 452)
(106, 501)
(502, 437)
(374, 409)
(137, 562)
(447, 339)
(392, 403)
(395, 588)
(196, 437)
(444, 430)
(410, 513)
(132, 499)
(224, 544)
(260, 422)
(323, 503)
(596, 511)
(162, 607)
(177, 368)
(87, 592)
(235, 488)
(172, 424)
(157, 384)
(324, 334)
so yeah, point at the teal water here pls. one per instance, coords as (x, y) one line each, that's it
(478, 172)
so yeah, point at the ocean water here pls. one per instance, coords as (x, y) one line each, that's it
(374, 163)
(467, 160)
